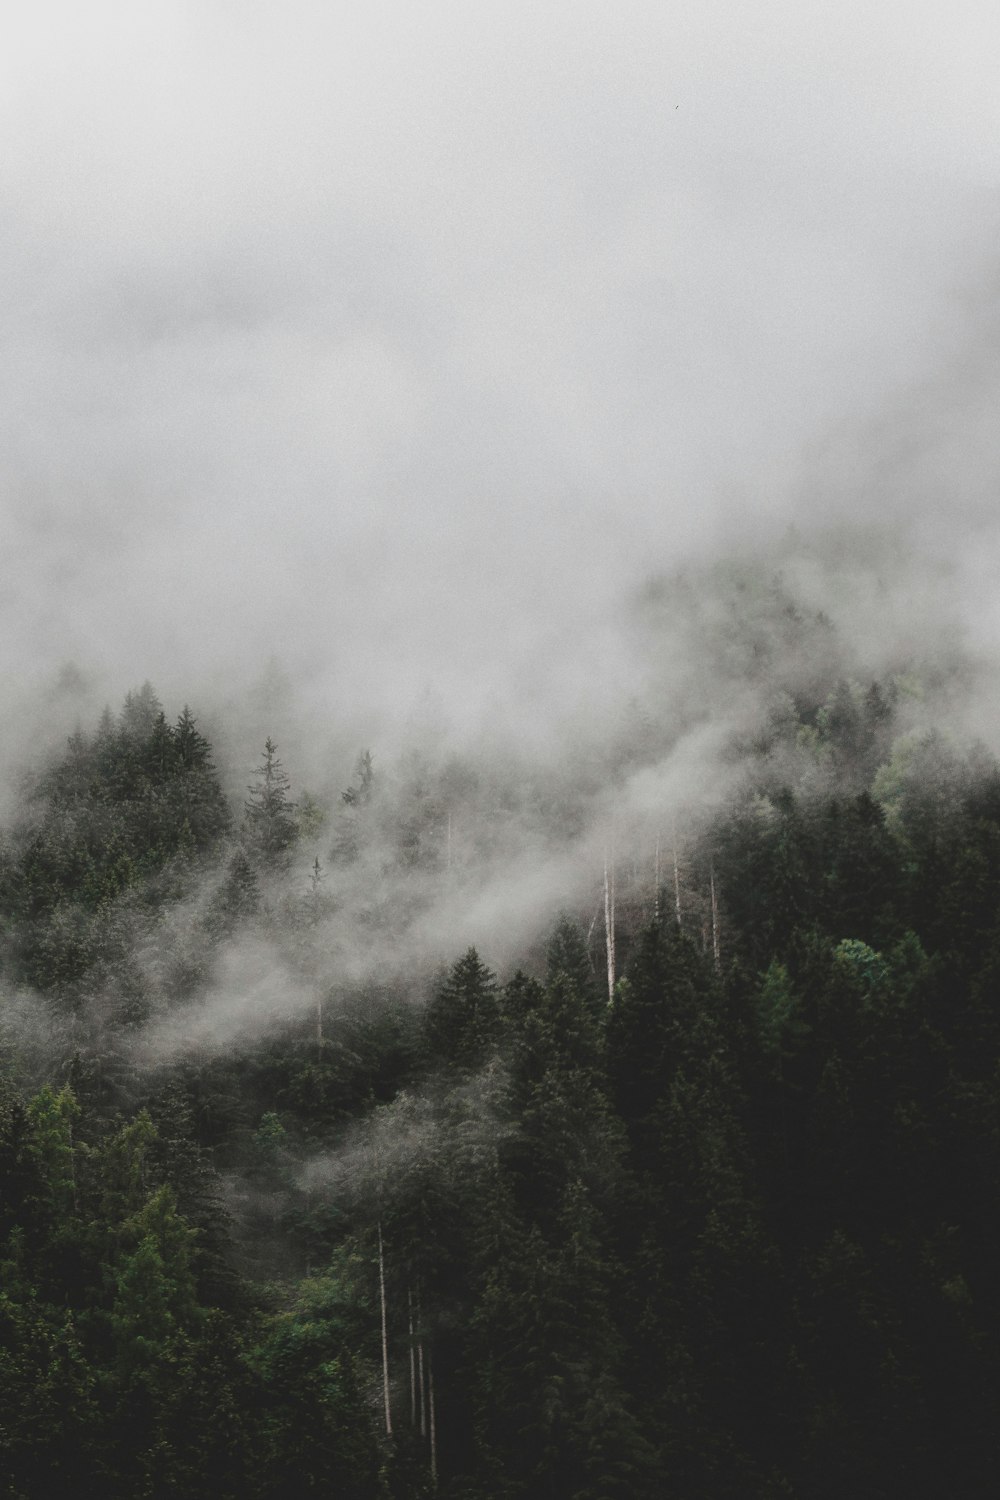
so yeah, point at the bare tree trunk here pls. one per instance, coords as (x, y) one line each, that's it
(413, 1360)
(420, 1369)
(656, 880)
(385, 1332)
(609, 920)
(430, 1392)
(677, 880)
(319, 1025)
(590, 935)
(716, 953)
(449, 842)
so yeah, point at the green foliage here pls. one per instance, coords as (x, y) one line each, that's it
(463, 1017)
(315, 1432)
(50, 1401)
(51, 1117)
(269, 814)
(154, 1285)
(731, 1235)
(567, 955)
(780, 1026)
(101, 826)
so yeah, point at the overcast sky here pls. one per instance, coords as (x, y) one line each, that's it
(395, 340)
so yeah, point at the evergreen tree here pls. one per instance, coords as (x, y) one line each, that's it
(353, 822)
(462, 1020)
(567, 954)
(268, 812)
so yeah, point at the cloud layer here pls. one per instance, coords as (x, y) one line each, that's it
(396, 342)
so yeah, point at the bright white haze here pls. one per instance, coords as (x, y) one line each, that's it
(396, 341)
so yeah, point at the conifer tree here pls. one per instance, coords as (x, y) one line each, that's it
(566, 953)
(462, 1020)
(269, 812)
(140, 712)
(193, 749)
(350, 824)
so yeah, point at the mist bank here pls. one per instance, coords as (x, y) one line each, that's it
(269, 1136)
(399, 351)
(705, 684)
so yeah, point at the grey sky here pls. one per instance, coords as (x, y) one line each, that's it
(396, 340)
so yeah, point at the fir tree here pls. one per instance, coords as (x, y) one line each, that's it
(462, 1021)
(269, 813)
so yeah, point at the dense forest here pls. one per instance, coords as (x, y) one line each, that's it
(693, 1192)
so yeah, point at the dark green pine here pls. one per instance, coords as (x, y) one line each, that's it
(462, 1021)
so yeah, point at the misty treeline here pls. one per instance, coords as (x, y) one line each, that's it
(285, 1210)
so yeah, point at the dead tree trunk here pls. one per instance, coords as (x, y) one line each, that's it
(413, 1360)
(716, 950)
(609, 920)
(677, 880)
(385, 1332)
(433, 1415)
(420, 1371)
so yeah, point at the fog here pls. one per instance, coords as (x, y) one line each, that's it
(411, 376)
(395, 345)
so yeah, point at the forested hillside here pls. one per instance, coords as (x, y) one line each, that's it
(300, 1196)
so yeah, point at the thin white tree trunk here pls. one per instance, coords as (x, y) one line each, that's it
(385, 1332)
(716, 951)
(420, 1371)
(430, 1392)
(677, 881)
(609, 920)
(413, 1360)
(656, 880)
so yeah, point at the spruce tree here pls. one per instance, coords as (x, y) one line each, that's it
(269, 813)
(461, 1025)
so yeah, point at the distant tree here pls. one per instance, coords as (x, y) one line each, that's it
(780, 1025)
(140, 712)
(313, 1431)
(269, 812)
(360, 793)
(155, 1287)
(238, 897)
(201, 805)
(349, 825)
(462, 1020)
(567, 954)
(664, 1015)
(50, 1414)
(193, 749)
(26, 1163)
(52, 1116)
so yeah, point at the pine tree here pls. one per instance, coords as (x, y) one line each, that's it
(197, 798)
(462, 1020)
(351, 823)
(360, 793)
(193, 749)
(155, 1288)
(238, 897)
(269, 813)
(139, 714)
(566, 953)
